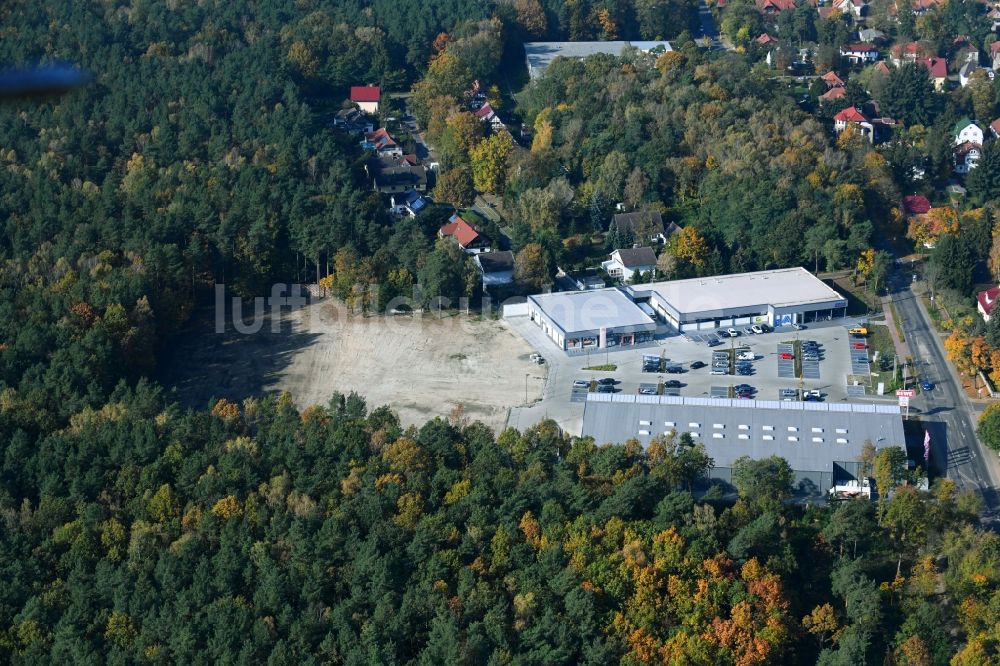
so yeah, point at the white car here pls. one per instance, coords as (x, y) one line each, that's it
(814, 394)
(733, 333)
(746, 356)
(756, 329)
(581, 383)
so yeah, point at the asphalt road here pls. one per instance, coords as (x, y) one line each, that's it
(946, 412)
(707, 25)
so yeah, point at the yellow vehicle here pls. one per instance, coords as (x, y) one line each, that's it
(859, 330)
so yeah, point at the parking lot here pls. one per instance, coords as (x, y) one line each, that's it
(825, 374)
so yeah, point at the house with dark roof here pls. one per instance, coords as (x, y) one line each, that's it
(410, 203)
(986, 302)
(646, 226)
(466, 235)
(366, 97)
(967, 156)
(861, 52)
(392, 174)
(496, 268)
(624, 264)
(353, 121)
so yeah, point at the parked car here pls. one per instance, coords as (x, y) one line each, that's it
(605, 388)
(746, 356)
(798, 327)
(581, 383)
(756, 329)
(697, 364)
(926, 385)
(814, 393)
(645, 390)
(672, 383)
(712, 342)
(858, 330)
(675, 369)
(748, 330)
(606, 381)
(733, 333)
(858, 345)
(786, 356)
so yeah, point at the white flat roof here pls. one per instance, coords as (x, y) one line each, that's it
(592, 310)
(779, 288)
(540, 54)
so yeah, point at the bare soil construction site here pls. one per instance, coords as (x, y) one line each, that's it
(422, 365)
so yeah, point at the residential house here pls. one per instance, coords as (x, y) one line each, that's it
(496, 268)
(881, 67)
(646, 226)
(487, 115)
(861, 52)
(995, 49)
(587, 279)
(466, 235)
(832, 80)
(774, 7)
(970, 68)
(395, 175)
(766, 40)
(937, 69)
(366, 97)
(967, 156)
(382, 143)
(624, 264)
(353, 121)
(967, 131)
(986, 302)
(995, 128)
(410, 203)
(921, 7)
(851, 117)
(824, 11)
(853, 8)
(993, 16)
(833, 94)
(871, 35)
(900, 54)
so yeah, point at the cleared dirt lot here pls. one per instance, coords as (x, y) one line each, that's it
(421, 366)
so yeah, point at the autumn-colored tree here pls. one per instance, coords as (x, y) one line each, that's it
(531, 267)
(463, 132)
(928, 228)
(993, 260)
(688, 245)
(957, 346)
(542, 139)
(866, 261)
(490, 160)
(821, 623)
(606, 23)
(531, 17)
(455, 187)
(979, 353)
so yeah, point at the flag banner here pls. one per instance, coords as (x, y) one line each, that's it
(927, 445)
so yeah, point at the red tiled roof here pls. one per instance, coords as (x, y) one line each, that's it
(380, 137)
(833, 93)
(484, 112)
(851, 115)
(460, 230)
(916, 204)
(776, 5)
(936, 67)
(880, 66)
(765, 39)
(988, 299)
(832, 80)
(366, 93)
(860, 47)
(995, 126)
(995, 46)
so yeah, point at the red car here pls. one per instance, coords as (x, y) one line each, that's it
(786, 356)
(858, 345)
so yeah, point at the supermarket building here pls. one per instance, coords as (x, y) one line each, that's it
(629, 315)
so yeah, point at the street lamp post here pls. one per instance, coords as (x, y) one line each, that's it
(526, 388)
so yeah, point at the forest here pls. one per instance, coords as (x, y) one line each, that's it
(255, 533)
(136, 530)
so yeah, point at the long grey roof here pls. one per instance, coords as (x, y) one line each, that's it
(592, 310)
(823, 433)
(540, 54)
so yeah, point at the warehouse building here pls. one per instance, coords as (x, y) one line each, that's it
(599, 318)
(820, 441)
(539, 55)
(779, 297)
